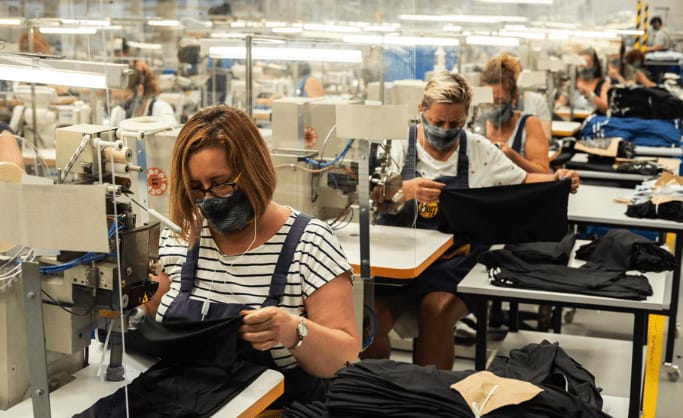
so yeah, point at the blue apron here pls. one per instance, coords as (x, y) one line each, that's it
(299, 385)
(517, 140)
(428, 216)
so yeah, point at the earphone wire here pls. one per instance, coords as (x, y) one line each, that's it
(209, 299)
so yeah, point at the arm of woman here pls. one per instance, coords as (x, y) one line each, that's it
(164, 281)
(642, 79)
(600, 100)
(558, 175)
(535, 159)
(332, 338)
(9, 149)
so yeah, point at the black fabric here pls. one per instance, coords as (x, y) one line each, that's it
(543, 363)
(620, 249)
(506, 214)
(371, 388)
(672, 211)
(546, 251)
(199, 372)
(505, 269)
(644, 102)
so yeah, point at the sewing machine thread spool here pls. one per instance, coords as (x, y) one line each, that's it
(124, 155)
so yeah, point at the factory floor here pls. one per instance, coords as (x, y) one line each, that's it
(608, 325)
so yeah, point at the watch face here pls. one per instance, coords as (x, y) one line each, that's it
(301, 329)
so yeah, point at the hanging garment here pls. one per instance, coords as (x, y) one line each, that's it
(623, 250)
(506, 269)
(506, 214)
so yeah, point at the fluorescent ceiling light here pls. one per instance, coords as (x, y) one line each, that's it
(287, 30)
(382, 28)
(87, 22)
(68, 30)
(540, 2)
(228, 35)
(400, 40)
(288, 54)
(168, 23)
(525, 35)
(492, 41)
(626, 31)
(8, 21)
(144, 45)
(63, 72)
(452, 28)
(464, 18)
(331, 28)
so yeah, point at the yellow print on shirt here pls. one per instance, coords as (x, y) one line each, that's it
(428, 210)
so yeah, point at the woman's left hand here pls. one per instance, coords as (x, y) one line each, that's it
(268, 327)
(568, 174)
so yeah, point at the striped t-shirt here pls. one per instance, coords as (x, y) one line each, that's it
(246, 278)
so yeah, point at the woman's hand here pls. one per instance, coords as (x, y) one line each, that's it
(422, 189)
(268, 327)
(563, 173)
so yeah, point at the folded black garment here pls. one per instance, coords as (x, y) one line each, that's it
(199, 373)
(542, 363)
(510, 271)
(372, 388)
(506, 214)
(672, 211)
(620, 249)
(545, 251)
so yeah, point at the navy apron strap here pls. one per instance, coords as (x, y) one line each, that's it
(463, 162)
(150, 110)
(409, 170)
(279, 280)
(517, 140)
(188, 269)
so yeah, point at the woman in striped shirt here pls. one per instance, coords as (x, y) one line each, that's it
(222, 263)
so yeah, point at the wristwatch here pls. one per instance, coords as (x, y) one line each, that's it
(301, 332)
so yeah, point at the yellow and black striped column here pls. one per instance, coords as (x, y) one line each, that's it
(639, 7)
(643, 43)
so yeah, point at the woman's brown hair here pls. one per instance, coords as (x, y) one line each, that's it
(502, 69)
(246, 153)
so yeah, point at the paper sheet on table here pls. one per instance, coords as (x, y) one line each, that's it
(487, 392)
(59, 217)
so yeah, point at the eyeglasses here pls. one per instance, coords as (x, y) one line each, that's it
(223, 189)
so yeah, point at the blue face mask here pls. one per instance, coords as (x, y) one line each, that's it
(227, 214)
(440, 139)
(587, 73)
(500, 114)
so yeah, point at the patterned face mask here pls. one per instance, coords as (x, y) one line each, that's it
(440, 139)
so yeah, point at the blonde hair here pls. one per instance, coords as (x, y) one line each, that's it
(504, 70)
(246, 153)
(446, 87)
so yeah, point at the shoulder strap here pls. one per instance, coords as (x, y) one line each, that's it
(517, 140)
(150, 109)
(279, 280)
(410, 164)
(598, 87)
(188, 268)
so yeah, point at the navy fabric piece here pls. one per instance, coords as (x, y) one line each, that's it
(645, 132)
(532, 212)
(199, 372)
